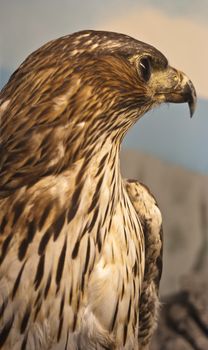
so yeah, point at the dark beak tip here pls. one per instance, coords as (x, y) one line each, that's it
(192, 108)
(192, 97)
(192, 103)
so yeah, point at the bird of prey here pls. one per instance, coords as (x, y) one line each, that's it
(80, 259)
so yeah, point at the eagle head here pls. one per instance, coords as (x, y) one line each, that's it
(76, 91)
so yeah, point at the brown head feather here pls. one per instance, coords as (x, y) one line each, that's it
(66, 94)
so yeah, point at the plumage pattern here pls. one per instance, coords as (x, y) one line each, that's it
(80, 259)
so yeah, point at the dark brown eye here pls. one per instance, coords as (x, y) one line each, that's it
(145, 69)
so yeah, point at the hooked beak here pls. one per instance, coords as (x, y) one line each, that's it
(177, 88)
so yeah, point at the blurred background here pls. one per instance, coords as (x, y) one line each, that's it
(166, 150)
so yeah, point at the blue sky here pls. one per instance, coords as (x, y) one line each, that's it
(178, 28)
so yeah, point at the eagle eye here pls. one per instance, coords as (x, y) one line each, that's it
(145, 69)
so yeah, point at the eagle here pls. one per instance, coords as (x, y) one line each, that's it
(81, 247)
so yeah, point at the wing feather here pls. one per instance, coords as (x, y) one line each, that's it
(151, 220)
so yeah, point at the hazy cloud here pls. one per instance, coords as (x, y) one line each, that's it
(25, 25)
(196, 10)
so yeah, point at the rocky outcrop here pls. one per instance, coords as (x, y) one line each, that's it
(183, 322)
